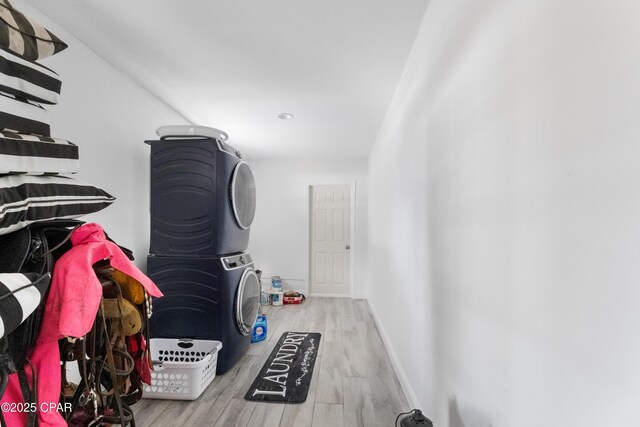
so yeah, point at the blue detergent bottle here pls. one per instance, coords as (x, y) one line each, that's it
(259, 329)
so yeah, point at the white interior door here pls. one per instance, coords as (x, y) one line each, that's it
(330, 234)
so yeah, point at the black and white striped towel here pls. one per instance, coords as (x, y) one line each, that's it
(25, 36)
(20, 295)
(28, 80)
(37, 155)
(22, 116)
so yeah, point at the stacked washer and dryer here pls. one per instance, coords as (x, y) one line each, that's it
(202, 206)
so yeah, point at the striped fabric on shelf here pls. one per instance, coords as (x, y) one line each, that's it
(28, 80)
(37, 155)
(20, 295)
(25, 36)
(22, 116)
(25, 199)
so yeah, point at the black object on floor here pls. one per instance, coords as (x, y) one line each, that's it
(286, 375)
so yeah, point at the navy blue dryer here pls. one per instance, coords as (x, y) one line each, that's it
(202, 197)
(214, 298)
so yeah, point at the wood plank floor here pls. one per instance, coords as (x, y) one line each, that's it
(353, 382)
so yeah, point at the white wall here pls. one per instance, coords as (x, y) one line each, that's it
(504, 204)
(279, 240)
(108, 117)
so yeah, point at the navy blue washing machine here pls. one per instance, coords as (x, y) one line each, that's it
(203, 197)
(214, 298)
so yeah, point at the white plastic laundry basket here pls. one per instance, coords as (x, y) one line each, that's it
(182, 369)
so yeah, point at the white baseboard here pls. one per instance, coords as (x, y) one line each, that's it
(402, 376)
(358, 295)
(329, 295)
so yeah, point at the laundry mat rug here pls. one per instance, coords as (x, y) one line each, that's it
(286, 375)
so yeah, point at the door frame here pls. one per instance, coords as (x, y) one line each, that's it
(352, 240)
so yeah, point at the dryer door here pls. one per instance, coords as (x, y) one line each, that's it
(247, 301)
(243, 195)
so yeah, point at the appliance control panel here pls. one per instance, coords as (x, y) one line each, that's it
(236, 261)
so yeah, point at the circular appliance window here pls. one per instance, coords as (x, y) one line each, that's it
(248, 301)
(243, 195)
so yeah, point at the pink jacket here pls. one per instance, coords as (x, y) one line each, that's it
(70, 310)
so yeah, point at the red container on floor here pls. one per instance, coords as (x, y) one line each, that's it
(292, 298)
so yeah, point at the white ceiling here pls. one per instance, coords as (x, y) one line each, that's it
(236, 64)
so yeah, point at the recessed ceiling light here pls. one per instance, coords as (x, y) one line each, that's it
(285, 116)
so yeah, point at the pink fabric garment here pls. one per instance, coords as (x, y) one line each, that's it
(75, 291)
(45, 359)
(70, 310)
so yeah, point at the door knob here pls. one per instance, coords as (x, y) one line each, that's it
(347, 247)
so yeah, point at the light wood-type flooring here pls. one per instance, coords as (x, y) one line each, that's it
(353, 382)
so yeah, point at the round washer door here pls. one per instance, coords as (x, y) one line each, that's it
(243, 195)
(247, 301)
